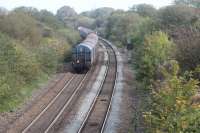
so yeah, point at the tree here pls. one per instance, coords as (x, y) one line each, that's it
(32, 45)
(21, 26)
(66, 12)
(144, 10)
(43, 16)
(193, 3)
(121, 25)
(172, 110)
(176, 15)
(29, 10)
(99, 13)
(156, 50)
(49, 19)
(7, 54)
(187, 41)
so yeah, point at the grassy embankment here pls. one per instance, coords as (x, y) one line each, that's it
(33, 44)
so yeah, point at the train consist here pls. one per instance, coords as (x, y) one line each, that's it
(84, 32)
(84, 54)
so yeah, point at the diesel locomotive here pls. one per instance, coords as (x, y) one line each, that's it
(84, 54)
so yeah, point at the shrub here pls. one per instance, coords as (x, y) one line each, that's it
(26, 64)
(121, 26)
(21, 26)
(7, 54)
(187, 53)
(176, 15)
(156, 50)
(32, 46)
(172, 110)
(48, 59)
(69, 35)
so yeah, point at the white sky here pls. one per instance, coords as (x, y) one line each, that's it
(80, 5)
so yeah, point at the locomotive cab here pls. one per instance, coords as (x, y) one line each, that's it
(81, 57)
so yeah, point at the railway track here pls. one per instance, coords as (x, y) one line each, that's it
(96, 117)
(44, 120)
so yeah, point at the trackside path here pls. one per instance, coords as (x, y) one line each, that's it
(113, 117)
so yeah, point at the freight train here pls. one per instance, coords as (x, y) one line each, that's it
(84, 54)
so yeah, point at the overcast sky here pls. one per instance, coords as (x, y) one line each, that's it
(80, 5)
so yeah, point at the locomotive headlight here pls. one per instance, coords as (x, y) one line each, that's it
(77, 61)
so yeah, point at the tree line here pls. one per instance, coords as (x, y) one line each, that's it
(165, 55)
(33, 45)
(165, 58)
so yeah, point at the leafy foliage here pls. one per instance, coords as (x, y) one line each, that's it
(176, 15)
(194, 3)
(32, 45)
(18, 67)
(65, 12)
(49, 19)
(156, 50)
(100, 18)
(145, 10)
(172, 109)
(121, 26)
(20, 26)
(158, 36)
(99, 13)
(187, 53)
(85, 21)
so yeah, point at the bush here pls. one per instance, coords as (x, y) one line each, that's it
(21, 26)
(7, 54)
(26, 64)
(145, 27)
(48, 59)
(19, 67)
(172, 110)
(32, 46)
(187, 53)
(121, 26)
(156, 50)
(176, 15)
(69, 35)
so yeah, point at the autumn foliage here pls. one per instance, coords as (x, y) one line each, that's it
(32, 46)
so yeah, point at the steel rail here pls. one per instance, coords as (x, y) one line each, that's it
(47, 107)
(98, 94)
(66, 104)
(114, 89)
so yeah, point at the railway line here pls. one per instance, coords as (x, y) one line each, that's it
(98, 109)
(45, 118)
(93, 109)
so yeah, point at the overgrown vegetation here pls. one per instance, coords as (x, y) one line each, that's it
(172, 108)
(156, 50)
(165, 53)
(165, 56)
(32, 45)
